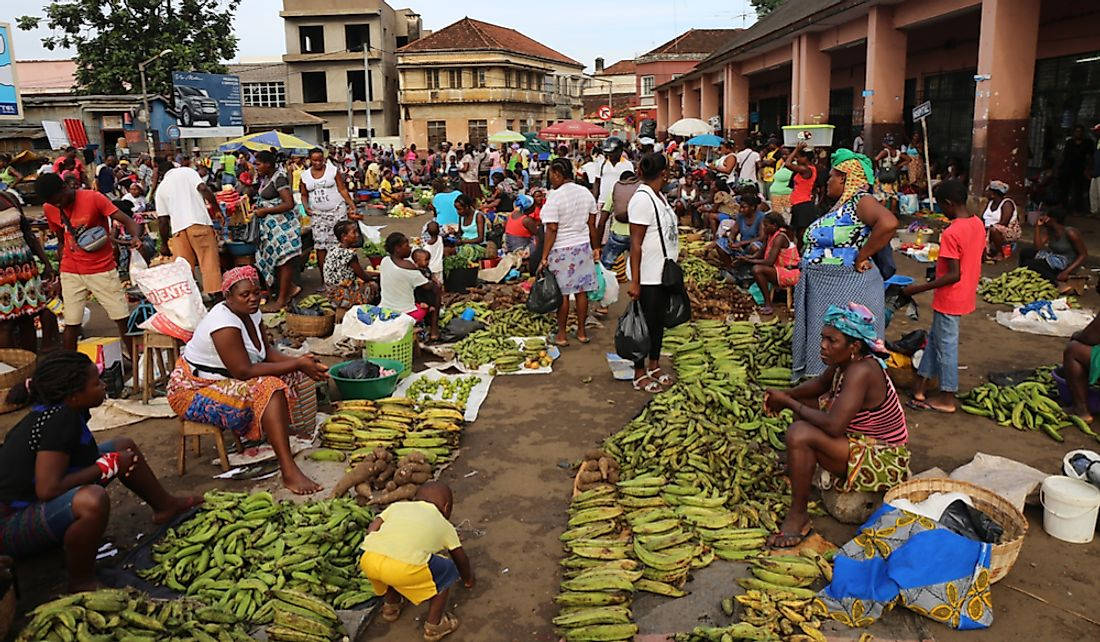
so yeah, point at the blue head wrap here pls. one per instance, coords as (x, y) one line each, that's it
(855, 321)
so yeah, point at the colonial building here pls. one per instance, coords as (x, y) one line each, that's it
(615, 86)
(472, 79)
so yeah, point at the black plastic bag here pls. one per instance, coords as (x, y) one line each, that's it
(909, 344)
(114, 380)
(360, 369)
(458, 328)
(632, 334)
(677, 308)
(896, 300)
(545, 295)
(959, 517)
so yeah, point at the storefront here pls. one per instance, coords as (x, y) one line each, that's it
(1066, 94)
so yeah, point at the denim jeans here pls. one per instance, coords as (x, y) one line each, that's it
(941, 355)
(615, 246)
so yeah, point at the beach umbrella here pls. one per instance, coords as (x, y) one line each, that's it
(572, 129)
(260, 141)
(705, 140)
(507, 136)
(688, 127)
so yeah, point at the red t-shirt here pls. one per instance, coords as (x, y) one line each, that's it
(89, 208)
(79, 167)
(964, 239)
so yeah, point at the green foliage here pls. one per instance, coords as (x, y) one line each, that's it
(764, 7)
(110, 38)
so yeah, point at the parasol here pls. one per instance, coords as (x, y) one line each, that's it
(266, 140)
(690, 127)
(507, 136)
(572, 129)
(705, 140)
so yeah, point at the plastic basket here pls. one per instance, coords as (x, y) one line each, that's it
(813, 135)
(366, 388)
(400, 351)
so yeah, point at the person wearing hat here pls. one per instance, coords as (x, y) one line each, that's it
(1001, 220)
(848, 419)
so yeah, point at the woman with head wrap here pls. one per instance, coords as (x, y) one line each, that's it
(836, 258)
(230, 376)
(848, 419)
(890, 162)
(1001, 220)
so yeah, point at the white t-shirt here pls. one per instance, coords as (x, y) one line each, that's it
(470, 175)
(746, 159)
(641, 211)
(608, 175)
(138, 202)
(200, 350)
(435, 264)
(178, 198)
(569, 206)
(590, 169)
(398, 285)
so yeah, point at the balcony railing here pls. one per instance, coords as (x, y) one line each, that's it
(475, 95)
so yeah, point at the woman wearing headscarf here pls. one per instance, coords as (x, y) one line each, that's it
(1002, 222)
(280, 230)
(848, 419)
(836, 258)
(230, 376)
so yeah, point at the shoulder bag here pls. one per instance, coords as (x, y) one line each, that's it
(678, 305)
(89, 239)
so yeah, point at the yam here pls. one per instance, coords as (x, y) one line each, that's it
(605, 467)
(590, 465)
(386, 473)
(583, 486)
(364, 490)
(613, 476)
(381, 453)
(416, 458)
(402, 476)
(420, 477)
(390, 486)
(594, 454)
(363, 471)
(402, 493)
(589, 476)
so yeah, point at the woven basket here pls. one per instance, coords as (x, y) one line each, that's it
(996, 507)
(307, 326)
(23, 362)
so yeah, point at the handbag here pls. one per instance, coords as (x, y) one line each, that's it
(672, 275)
(89, 239)
(678, 304)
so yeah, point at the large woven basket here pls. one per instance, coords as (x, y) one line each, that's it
(23, 362)
(996, 507)
(307, 326)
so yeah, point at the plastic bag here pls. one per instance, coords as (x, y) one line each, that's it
(601, 285)
(632, 334)
(545, 294)
(611, 286)
(971, 523)
(360, 369)
(172, 290)
(908, 204)
(896, 300)
(458, 328)
(909, 344)
(378, 330)
(678, 308)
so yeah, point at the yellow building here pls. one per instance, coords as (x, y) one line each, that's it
(472, 79)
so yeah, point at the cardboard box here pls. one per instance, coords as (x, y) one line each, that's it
(103, 351)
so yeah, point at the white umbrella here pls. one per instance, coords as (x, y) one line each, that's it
(690, 127)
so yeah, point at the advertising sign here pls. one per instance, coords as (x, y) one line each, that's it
(207, 105)
(11, 107)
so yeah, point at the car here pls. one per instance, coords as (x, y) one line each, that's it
(193, 105)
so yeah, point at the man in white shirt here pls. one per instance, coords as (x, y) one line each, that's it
(746, 161)
(184, 220)
(857, 144)
(610, 170)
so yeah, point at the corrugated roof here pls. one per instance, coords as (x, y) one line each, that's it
(474, 35)
(277, 117)
(695, 41)
(622, 67)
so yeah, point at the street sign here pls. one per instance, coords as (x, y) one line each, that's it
(173, 132)
(922, 111)
(604, 112)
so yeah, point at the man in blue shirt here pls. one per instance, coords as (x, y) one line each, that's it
(105, 177)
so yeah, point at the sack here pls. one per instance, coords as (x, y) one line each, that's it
(172, 290)
(632, 334)
(601, 285)
(611, 285)
(545, 294)
(678, 308)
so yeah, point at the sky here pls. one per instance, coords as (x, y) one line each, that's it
(577, 28)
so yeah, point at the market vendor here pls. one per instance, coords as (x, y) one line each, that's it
(1081, 366)
(519, 226)
(776, 261)
(230, 375)
(347, 283)
(53, 474)
(401, 278)
(858, 434)
(392, 188)
(1059, 249)
(472, 226)
(327, 201)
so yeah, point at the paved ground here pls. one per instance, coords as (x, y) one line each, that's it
(512, 484)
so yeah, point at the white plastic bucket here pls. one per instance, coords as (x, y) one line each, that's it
(1070, 507)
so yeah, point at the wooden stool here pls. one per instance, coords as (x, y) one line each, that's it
(790, 298)
(163, 348)
(197, 430)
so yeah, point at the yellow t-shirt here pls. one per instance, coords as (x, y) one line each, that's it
(411, 532)
(296, 179)
(767, 173)
(385, 186)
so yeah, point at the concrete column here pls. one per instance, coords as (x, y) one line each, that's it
(796, 76)
(675, 103)
(709, 99)
(661, 98)
(810, 95)
(1002, 104)
(882, 110)
(737, 103)
(692, 100)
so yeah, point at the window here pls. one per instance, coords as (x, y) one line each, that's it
(314, 89)
(263, 94)
(478, 132)
(508, 124)
(431, 78)
(311, 39)
(479, 77)
(523, 126)
(437, 133)
(455, 79)
(508, 78)
(647, 85)
(358, 87)
(402, 41)
(356, 37)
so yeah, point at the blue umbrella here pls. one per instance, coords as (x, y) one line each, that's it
(704, 140)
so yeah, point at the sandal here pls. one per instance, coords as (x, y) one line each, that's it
(652, 386)
(767, 310)
(782, 539)
(920, 404)
(658, 376)
(390, 612)
(447, 624)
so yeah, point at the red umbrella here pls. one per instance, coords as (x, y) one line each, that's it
(569, 129)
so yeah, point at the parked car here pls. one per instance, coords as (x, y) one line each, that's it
(192, 105)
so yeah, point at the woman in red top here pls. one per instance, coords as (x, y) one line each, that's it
(803, 211)
(777, 261)
(520, 227)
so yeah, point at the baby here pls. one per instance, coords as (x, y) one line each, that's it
(399, 557)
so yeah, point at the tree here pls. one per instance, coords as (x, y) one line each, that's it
(111, 37)
(764, 7)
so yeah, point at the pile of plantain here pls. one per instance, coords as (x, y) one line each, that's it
(126, 614)
(302, 618)
(482, 347)
(1017, 287)
(399, 424)
(239, 547)
(1024, 406)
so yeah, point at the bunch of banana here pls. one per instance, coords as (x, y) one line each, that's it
(481, 347)
(699, 271)
(447, 388)
(239, 547)
(1024, 406)
(299, 617)
(125, 614)
(534, 353)
(481, 310)
(517, 321)
(738, 631)
(1017, 287)
(773, 346)
(777, 599)
(344, 430)
(440, 415)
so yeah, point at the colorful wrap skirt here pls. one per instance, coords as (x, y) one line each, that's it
(873, 466)
(280, 241)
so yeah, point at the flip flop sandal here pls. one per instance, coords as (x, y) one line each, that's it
(390, 612)
(798, 537)
(585, 340)
(447, 624)
(652, 386)
(663, 379)
(916, 404)
(562, 344)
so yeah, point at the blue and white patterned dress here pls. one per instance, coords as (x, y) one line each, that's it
(280, 234)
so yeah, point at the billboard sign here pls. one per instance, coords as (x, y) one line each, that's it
(11, 107)
(207, 105)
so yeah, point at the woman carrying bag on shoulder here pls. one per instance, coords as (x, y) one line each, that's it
(654, 242)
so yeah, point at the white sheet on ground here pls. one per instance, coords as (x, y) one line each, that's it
(123, 412)
(1006, 477)
(473, 403)
(1068, 321)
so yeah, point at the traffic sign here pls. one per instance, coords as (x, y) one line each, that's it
(604, 112)
(173, 132)
(922, 111)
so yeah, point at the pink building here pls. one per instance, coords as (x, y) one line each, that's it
(671, 59)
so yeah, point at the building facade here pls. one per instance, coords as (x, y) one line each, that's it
(472, 79)
(671, 59)
(1008, 80)
(327, 44)
(615, 86)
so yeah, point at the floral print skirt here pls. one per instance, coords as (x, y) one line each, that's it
(574, 268)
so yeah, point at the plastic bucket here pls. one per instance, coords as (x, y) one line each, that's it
(812, 135)
(1070, 507)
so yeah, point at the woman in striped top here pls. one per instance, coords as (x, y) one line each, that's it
(848, 419)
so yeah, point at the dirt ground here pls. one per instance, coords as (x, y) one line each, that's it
(512, 480)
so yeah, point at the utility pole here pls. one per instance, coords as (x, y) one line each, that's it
(351, 116)
(367, 88)
(145, 99)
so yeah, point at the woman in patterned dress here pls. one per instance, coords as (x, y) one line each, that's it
(836, 258)
(280, 230)
(327, 201)
(21, 295)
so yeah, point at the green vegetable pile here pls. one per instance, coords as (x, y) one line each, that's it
(1017, 287)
